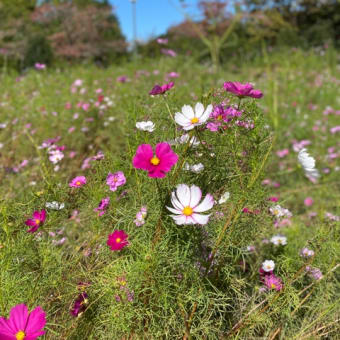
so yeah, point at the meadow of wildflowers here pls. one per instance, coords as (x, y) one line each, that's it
(207, 207)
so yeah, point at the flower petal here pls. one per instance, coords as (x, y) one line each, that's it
(183, 194)
(199, 109)
(141, 160)
(182, 120)
(179, 219)
(175, 202)
(188, 112)
(206, 113)
(196, 195)
(175, 211)
(18, 317)
(200, 219)
(206, 204)
(36, 321)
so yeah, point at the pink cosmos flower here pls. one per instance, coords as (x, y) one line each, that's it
(308, 201)
(77, 182)
(39, 66)
(23, 325)
(122, 79)
(187, 207)
(335, 129)
(156, 165)
(117, 240)
(282, 153)
(157, 89)
(38, 219)
(169, 52)
(242, 90)
(162, 41)
(115, 180)
(273, 282)
(103, 204)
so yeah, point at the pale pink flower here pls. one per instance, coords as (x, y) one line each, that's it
(187, 207)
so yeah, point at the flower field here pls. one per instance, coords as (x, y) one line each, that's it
(160, 200)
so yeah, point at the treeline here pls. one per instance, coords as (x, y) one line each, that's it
(252, 25)
(48, 31)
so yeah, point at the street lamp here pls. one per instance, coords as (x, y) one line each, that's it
(134, 26)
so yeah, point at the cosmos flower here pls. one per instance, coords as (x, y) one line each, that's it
(189, 118)
(314, 273)
(54, 205)
(23, 325)
(39, 218)
(102, 206)
(268, 265)
(224, 198)
(187, 207)
(273, 282)
(79, 304)
(39, 66)
(157, 165)
(145, 126)
(117, 240)
(308, 201)
(279, 240)
(140, 216)
(278, 211)
(162, 41)
(308, 164)
(115, 180)
(77, 182)
(305, 252)
(242, 90)
(157, 89)
(55, 156)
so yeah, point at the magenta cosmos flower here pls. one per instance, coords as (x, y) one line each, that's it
(117, 240)
(22, 325)
(115, 180)
(38, 219)
(157, 89)
(157, 165)
(273, 282)
(78, 182)
(242, 90)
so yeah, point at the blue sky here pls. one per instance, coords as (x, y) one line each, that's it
(153, 16)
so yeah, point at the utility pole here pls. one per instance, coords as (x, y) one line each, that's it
(134, 27)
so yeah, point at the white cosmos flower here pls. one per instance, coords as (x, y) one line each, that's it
(196, 168)
(308, 164)
(279, 240)
(224, 198)
(54, 205)
(189, 118)
(187, 207)
(268, 265)
(146, 126)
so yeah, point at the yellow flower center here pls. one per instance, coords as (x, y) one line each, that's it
(273, 286)
(187, 211)
(154, 160)
(219, 117)
(20, 335)
(276, 212)
(37, 221)
(78, 183)
(194, 120)
(118, 240)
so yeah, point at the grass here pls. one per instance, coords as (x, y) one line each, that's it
(177, 291)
